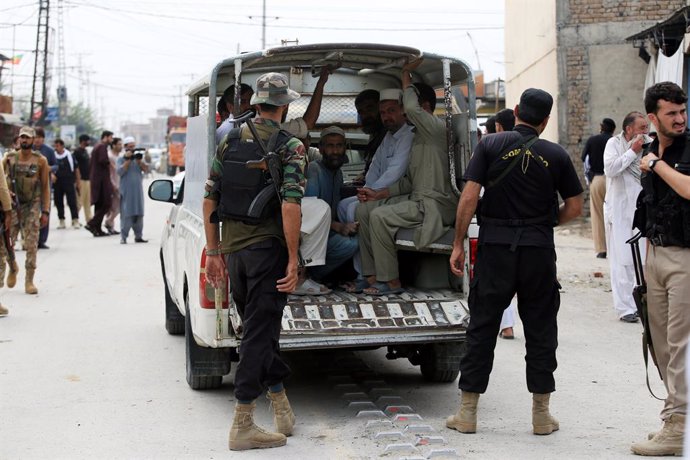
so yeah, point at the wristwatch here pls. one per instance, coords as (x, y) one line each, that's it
(652, 163)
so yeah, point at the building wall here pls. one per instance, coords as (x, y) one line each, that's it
(531, 53)
(600, 74)
(576, 50)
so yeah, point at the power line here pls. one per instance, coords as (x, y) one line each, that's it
(290, 26)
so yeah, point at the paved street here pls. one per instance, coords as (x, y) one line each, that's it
(87, 370)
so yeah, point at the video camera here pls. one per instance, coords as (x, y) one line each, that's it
(138, 153)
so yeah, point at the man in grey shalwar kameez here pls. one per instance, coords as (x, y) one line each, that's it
(131, 170)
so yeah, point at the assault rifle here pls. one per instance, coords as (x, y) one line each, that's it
(640, 296)
(9, 247)
(272, 163)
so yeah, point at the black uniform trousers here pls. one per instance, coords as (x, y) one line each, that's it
(62, 189)
(254, 272)
(499, 274)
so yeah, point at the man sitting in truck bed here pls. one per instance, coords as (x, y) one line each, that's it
(391, 158)
(422, 199)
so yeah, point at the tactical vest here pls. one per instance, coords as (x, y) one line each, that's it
(246, 194)
(668, 218)
(24, 178)
(64, 171)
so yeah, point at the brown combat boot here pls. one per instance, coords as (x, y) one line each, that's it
(3, 311)
(29, 286)
(283, 417)
(244, 434)
(465, 421)
(542, 421)
(668, 441)
(12, 275)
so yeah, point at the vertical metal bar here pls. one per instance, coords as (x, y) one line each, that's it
(450, 136)
(219, 312)
(238, 87)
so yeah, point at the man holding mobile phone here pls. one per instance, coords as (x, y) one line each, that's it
(622, 169)
(131, 169)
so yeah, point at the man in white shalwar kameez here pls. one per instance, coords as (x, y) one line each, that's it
(622, 170)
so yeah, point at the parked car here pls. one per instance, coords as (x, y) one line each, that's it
(426, 324)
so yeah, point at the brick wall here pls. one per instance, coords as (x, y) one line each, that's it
(575, 56)
(597, 11)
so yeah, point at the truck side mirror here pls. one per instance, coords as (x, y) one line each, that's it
(161, 190)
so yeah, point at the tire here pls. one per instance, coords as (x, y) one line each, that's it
(172, 170)
(205, 366)
(174, 320)
(440, 362)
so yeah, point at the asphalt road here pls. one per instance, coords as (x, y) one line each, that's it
(87, 370)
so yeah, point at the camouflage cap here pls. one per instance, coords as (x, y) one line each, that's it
(332, 130)
(272, 88)
(27, 131)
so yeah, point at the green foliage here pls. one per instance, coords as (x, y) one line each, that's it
(83, 117)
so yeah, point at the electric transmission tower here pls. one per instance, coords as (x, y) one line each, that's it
(39, 87)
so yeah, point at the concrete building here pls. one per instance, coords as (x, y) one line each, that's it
(151, 134)
(577, 51)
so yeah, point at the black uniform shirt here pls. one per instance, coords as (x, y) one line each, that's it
(522, 195)
(82, 156)
(594, 148)
(672, 155)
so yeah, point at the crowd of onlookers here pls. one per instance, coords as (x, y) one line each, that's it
(34, 176)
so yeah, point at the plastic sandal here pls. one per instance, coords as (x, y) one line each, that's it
(384, 289)
(311, 287)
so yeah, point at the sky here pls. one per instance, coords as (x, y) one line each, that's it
(127, 58)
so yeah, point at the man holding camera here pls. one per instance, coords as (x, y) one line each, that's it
(131, 169)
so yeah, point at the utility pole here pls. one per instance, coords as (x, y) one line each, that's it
(39, 87)
(263, 24)
(62, 88)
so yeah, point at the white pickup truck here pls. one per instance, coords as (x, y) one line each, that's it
(426, 324)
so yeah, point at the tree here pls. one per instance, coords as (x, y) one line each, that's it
(83, 118)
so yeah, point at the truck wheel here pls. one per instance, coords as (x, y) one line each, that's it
(440, 362)
(174, 320)
(205, 366)
(172, 170)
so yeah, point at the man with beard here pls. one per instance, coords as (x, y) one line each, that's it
(391, 157)
(324, 181)
(131, 168)
(422, 199)
(29, 175)
(101, 187)
(367, 105)
(622, 169)
(666, 185)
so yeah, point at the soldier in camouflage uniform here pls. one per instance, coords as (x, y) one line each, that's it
(6, 202)
(28, 177)
(262, 262)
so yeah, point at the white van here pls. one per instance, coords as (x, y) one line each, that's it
(426, 324)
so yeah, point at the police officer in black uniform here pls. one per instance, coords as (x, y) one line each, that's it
(666, 191)
(522, 176)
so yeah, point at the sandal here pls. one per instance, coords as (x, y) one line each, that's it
(311, 287)
(507, 336)
(356, 287)
(382, 289)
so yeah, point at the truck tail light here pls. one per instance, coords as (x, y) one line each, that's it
(206, 290)
(473, 255)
